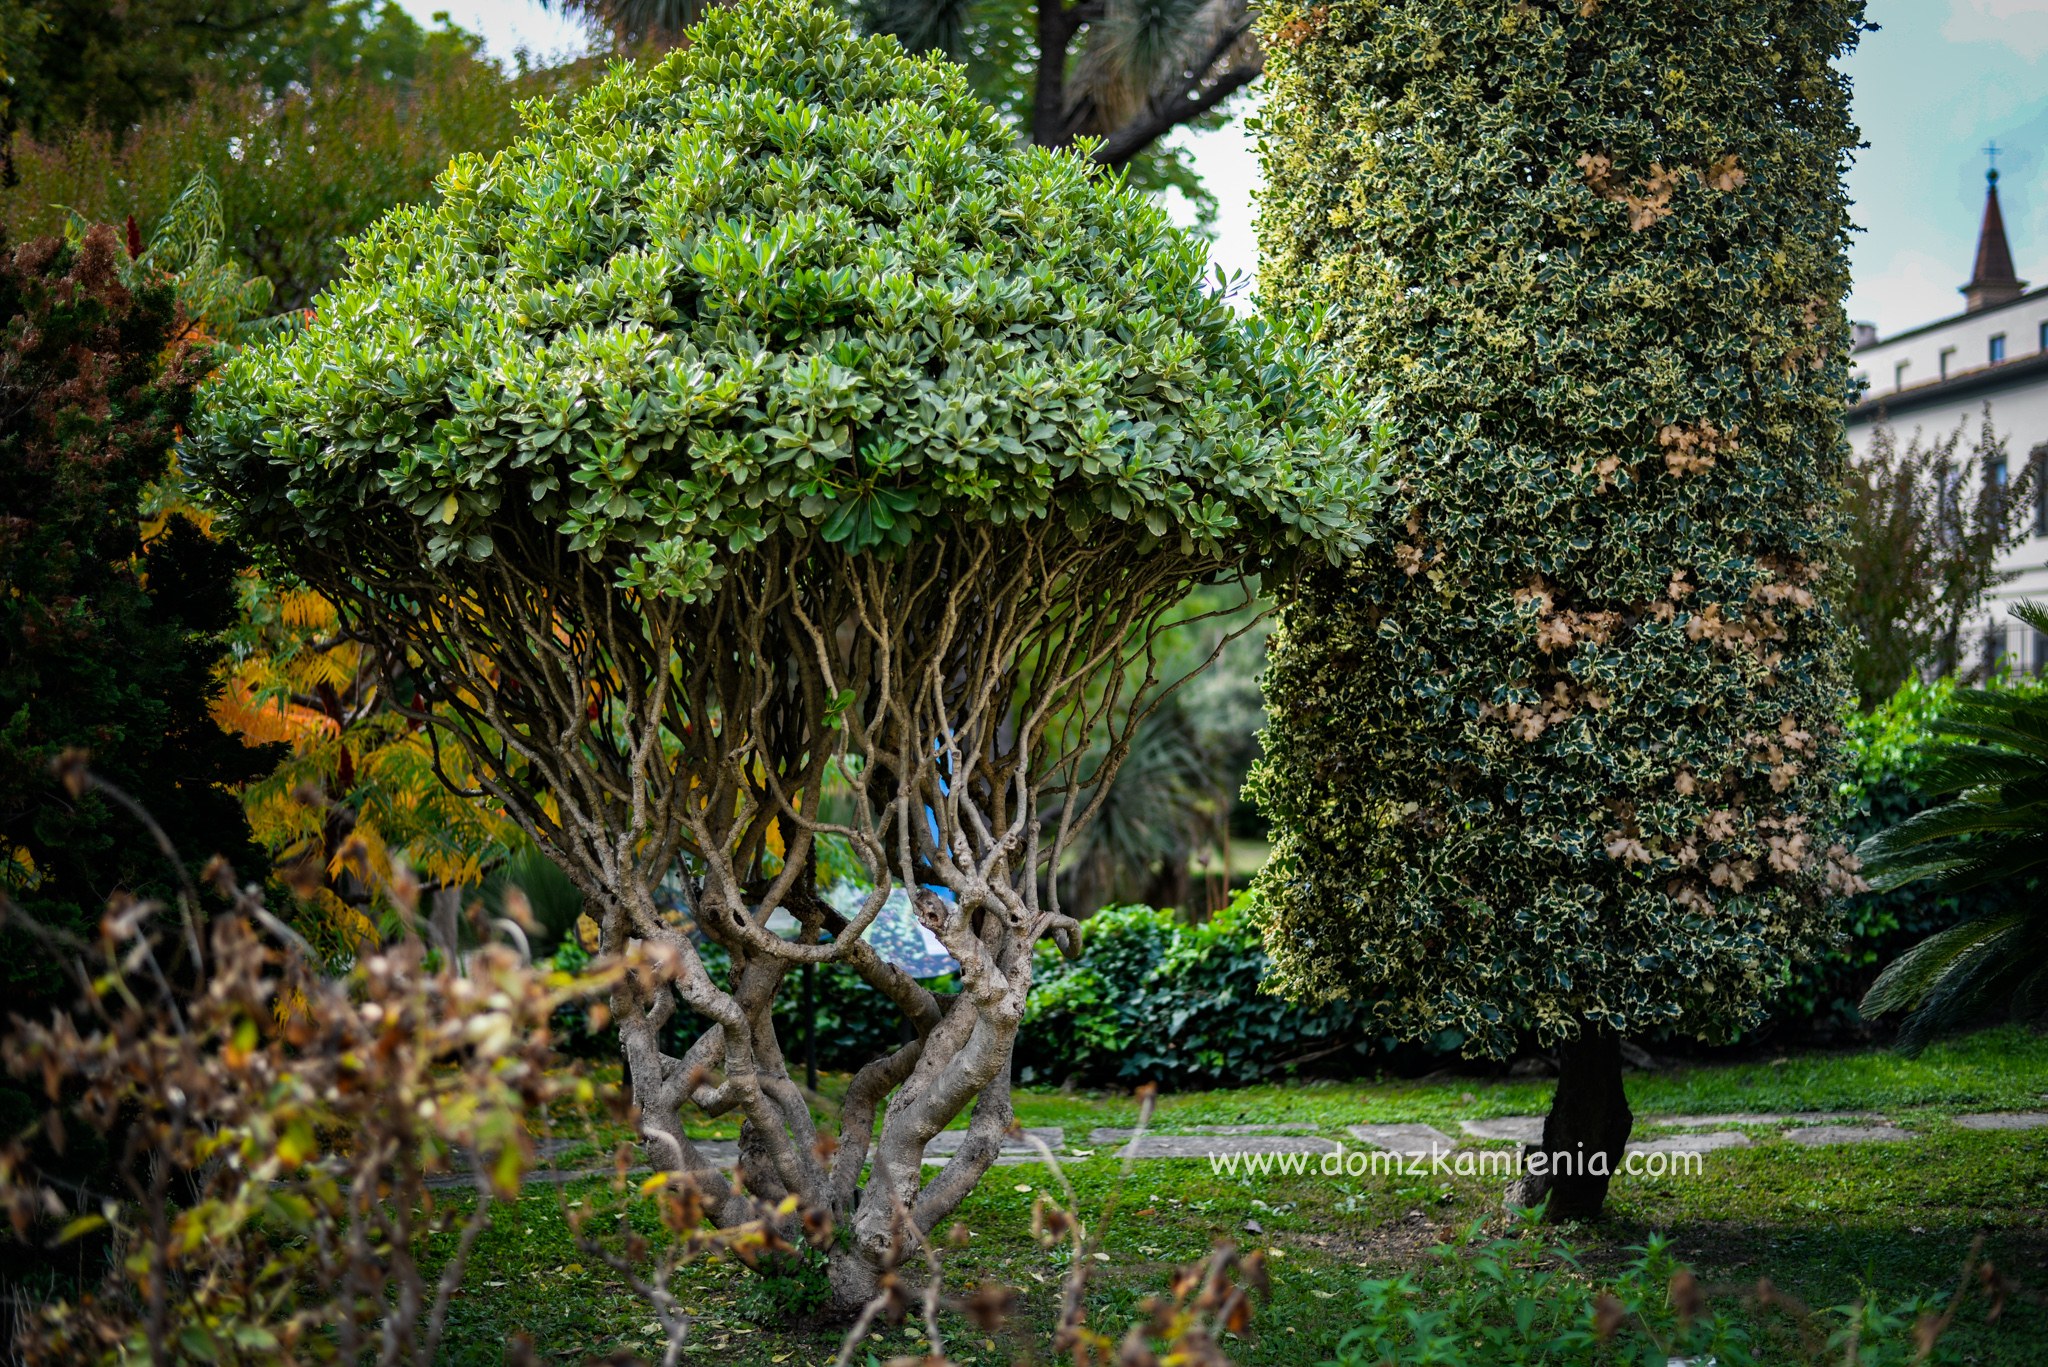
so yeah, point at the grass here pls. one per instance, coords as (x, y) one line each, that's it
(1828, 1224)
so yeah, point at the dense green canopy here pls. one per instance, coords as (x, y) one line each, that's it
(786, 278)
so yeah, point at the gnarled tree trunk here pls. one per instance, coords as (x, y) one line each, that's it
(1585, 1136)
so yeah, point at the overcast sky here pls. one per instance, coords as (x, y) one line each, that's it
(1936, 83)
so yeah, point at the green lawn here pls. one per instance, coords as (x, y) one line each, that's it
(1828, 1224)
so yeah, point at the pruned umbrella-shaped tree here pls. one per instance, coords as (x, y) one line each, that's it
(771, 420)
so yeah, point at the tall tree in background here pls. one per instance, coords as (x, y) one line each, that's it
(1127, 72)
(297, 173)
(1557, 758)
(1929, 522)
(109, 638)
(659, 23)
(73, 63)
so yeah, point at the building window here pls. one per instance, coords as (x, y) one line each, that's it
(2041, 652)
(2044, 335)
(1997, 348)
(2040, 464)
(1947, 354)
(1899, 371)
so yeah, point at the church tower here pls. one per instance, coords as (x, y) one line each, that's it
(1993, 282)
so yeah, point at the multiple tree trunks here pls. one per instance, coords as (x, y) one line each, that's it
(917, 709)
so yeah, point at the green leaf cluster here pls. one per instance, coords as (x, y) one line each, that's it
(788, 279)
(1155, 999)
(1562, 748)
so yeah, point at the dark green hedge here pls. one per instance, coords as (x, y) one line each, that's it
(1153, 999)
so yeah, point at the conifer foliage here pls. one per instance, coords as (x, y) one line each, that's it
(1557, 758)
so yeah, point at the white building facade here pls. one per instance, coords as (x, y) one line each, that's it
(1935, 377)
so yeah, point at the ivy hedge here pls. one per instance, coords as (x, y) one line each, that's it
(1559, 755)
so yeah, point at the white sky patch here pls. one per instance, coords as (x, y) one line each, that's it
(506, 26)
(2019, 26)
(1228, 159)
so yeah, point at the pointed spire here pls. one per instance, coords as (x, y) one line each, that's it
(1993, 282)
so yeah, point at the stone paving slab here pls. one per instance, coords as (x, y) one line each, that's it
(1527, 1128)
(1814, 1135)
(948, 1142)
(1112, 1134)
(1711, 1122)
(1410, 1141)
(1220, 1145)
(1811, 1128)
(1692, 1143)
(2005, 1120)
(1808, 1128)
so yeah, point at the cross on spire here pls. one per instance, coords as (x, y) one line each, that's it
(1993, 282)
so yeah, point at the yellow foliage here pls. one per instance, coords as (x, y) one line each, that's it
(348, 924)
(305, 610)
(238, 709)
(290, 681)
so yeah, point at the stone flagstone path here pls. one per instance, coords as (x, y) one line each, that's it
(1708, 1133)
(2005, 1120)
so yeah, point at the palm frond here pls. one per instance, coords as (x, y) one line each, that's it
(1978, 766)
(2011, 727)
(1147, 817)
(635, 20)
(1991, 753)
(922, 25)
(1139, 47)
(1961, 995)
(1944, 978)
(1964, 816)
(1988, 863)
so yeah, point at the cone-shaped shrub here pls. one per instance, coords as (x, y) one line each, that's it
(1556, 759)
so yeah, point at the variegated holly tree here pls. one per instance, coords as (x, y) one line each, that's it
(1555, 761)
(771, 420)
